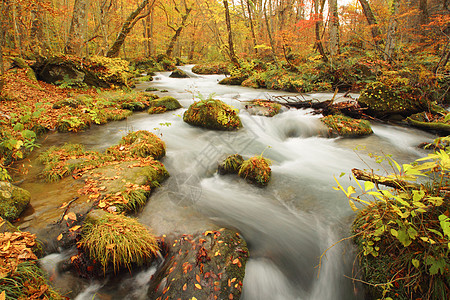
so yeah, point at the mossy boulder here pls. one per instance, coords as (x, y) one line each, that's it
(95, 71)
(208, 69)
(212, 114)
(208, 266)
(116, 241)
(177, 73)
(256, 170)
(231, 165)
(430, 122)
(68, 102)
(233, 80)
(346, 126)
(139, 143)
(383, 101)
(163, 104)
(13, 201)
(252, 82)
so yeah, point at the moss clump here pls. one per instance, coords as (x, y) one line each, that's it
(220, 68)
(212, 114)
(151, 89)
(140, 143)
(233, 80)
(156, 110)
(117, 241)
(231, 165)
(428, 121)
(386, 99)
(347, 127)
(73, 123)
(68, 102)
(167, 102)
(256, 170)
(263, 107)
(13, 201)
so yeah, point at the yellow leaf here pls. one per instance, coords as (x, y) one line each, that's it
(59, 237)
(71, 215)
(3, 295)
(102, 204)
(110, 246)
(198, 286)
(352, 205)
(6, 247)
(75, 228)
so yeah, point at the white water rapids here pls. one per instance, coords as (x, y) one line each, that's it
(287, 225)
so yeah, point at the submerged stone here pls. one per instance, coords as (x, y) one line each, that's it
(13, 201)
(208, 266)
(212, 114)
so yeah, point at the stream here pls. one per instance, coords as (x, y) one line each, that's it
(287, 225)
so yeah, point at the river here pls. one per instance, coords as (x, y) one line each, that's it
(287, 225)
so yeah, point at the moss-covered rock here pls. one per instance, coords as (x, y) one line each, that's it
(139, 143)
(252, 82)
(263, 108)
(256, 170)
(167, 63)
(430, 122)
(68, 102)
(346, 126)
(212, 114)
(116, 241)
(208, 266)
(96, 71)
(13, 201)
(384, 100)
(233, 80)
(177, 73)
(231, 165)
(167, 103)
(207, 69)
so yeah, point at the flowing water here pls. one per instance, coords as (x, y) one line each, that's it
(287, 225)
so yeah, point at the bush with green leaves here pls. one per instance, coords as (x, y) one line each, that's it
(403, 233)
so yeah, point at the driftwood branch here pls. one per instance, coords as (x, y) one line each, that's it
(395, 183)
(67, 208)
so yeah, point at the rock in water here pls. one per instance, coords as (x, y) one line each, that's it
(178, 74)
(13, 201)
(212, 114)
(208, 266)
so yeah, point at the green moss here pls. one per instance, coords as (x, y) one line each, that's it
(219, 68)
(177, 73)
(256, 170)
(151, 89)
(233, 80)
(347, 127)
(117, 241)
(231, 165)
(212, 114)
(13, 201)
(167, 102)
(139, 144)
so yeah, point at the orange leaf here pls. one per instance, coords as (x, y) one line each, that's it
(198, 286)
(75, 228)
(198, 278)
(3, 295)
(59, 237)
(235, 261)
(71, 215)
(185, 287)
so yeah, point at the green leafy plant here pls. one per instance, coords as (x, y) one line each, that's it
(403, 233)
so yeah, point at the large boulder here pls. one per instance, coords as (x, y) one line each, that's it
(233, 80)
(212, 114)
(383, 101)
(208, 266)
(346, 126)
(13, 201)
(430, 122)
(96, 71)
(218, 68)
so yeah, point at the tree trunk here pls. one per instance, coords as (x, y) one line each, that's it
(231, 52)
(150, 32)
(377, 179)
(76, 38)
(334, 27)
(272, 44)
(372, 21)
(129, 23)
(318, 24)
(252, 28)
(391, 38)
(37, 39)
(177, 33)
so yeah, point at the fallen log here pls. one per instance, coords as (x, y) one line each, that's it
(377, 179)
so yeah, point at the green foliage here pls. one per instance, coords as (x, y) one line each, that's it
(217, 68)
(26, 282)
(118, 241)
(231, 164)
(410, 225)
(139, 144)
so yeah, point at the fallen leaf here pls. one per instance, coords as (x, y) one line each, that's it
(185, 287)
(235, 261)
(59, 237)
(75, 228)
(3, 295)
(6, 247)
(198, 286)
(198, 278)
(71, 215)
